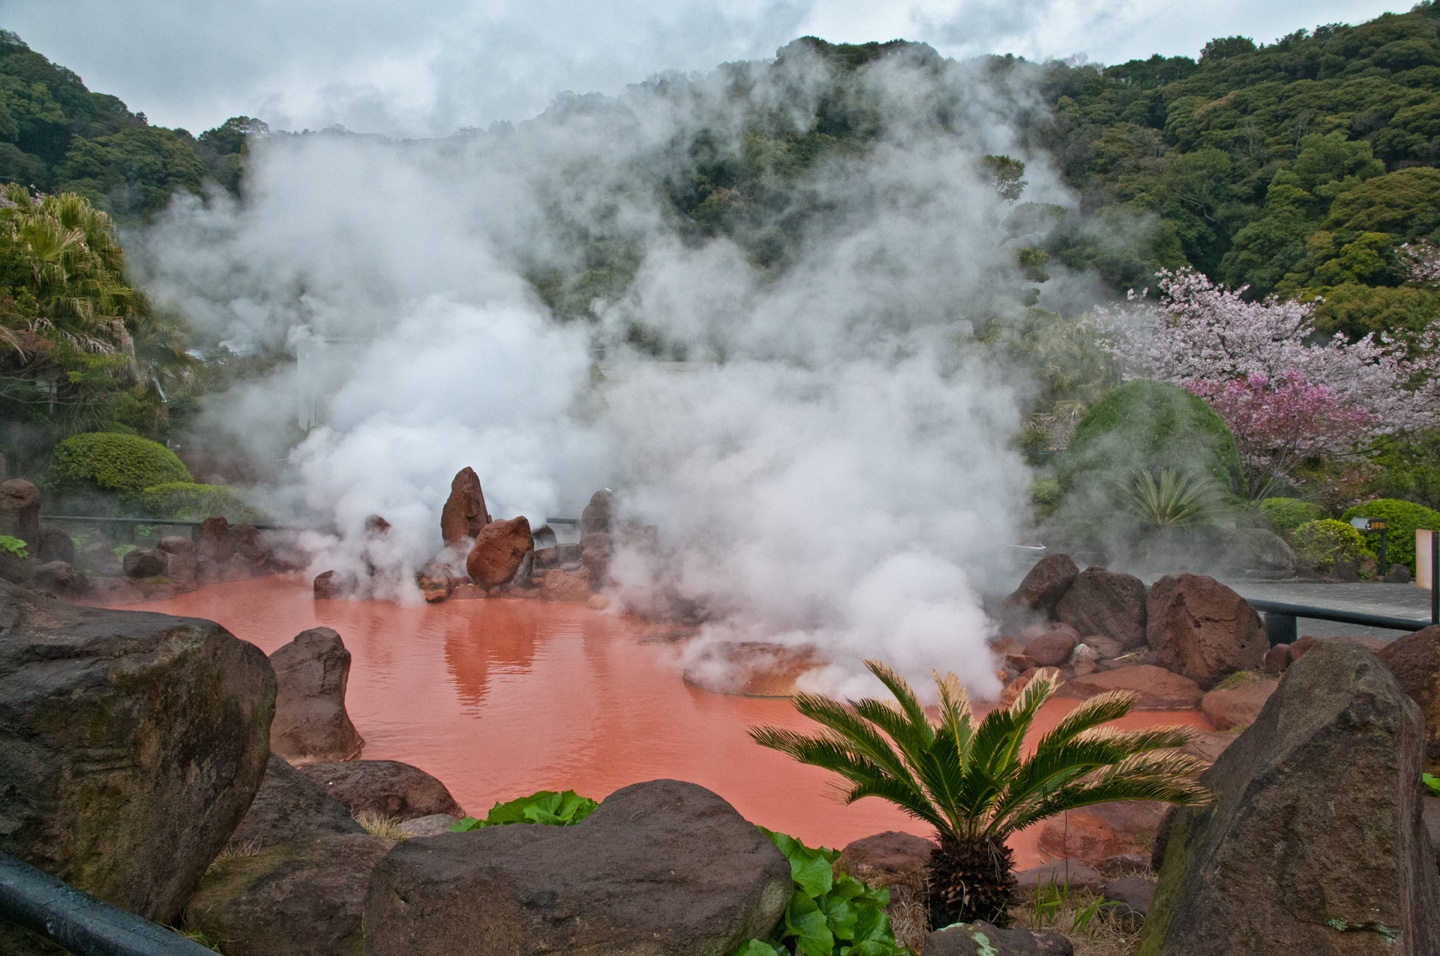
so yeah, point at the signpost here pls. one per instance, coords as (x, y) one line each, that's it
(1375, 524)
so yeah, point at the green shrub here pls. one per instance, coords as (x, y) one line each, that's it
(111, 463)
(1401, 518)
(14, 545)
(1287, 514)
(1152, 427)
(1319, 544)
(191, 502)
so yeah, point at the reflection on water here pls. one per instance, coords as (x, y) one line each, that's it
(499, 698)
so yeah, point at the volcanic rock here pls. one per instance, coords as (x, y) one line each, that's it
(1131, 896)
(1414, 660)
(1060, 873)
(1052, 648)
(1313, 843)
(60, 579)
(176, 544)
(983, 939)
(20, 511)
(659, 868)
(303, 898)
(1105, 602)
(500, 549)
(214, 548)
(1398, 574)
(887, 855)
(596, 551)
(311, 723)
(238, 568)
(464, 512)
(131, 745)
(1233, 708)
(566, 586)
(597, 517)
(468, 592)
(1044, 585)
(108, 590)
(386, 788)
(246, 542)
(290, 806)
(1096, 833)
(143, 563)
(54, 545)
(1159, 689)
(436, 824)
(1200, 628)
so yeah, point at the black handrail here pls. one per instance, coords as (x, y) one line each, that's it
(78, 921)
(1282, 627)
(169, 521)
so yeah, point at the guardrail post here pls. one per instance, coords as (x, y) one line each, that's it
(1281, 628)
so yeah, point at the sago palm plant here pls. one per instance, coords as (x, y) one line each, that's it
(970, 780)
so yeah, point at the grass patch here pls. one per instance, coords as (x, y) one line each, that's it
(196, 936)
(1082, 916)
(233, 851)
(1237, 679)
(377, 824)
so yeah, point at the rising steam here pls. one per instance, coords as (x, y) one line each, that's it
(831, 465)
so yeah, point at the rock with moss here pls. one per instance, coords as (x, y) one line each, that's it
(1314, 842)
(131, 745)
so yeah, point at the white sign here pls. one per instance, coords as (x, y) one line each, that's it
(1424, 573)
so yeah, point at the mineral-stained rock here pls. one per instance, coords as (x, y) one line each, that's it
(311, 723)
(1052, 648)
(387, 788)
(500, 549)
(1159, 689)
(61, 580)
(1103, 830)
(566, 586)
(131, 745)
(1200, 628)
(1313, 843)
(1105, 602)
(214, 548)
(245, 540)
(55, 545)
(302, 898)
(596, 551)
(144, 563)
(20, 511)
(1237, 707)
(891, 853)
(663, 868)
(290, 806)
(597, 518)
(464, 512)
(1044, 585)
(1414, 659)
(982, 939)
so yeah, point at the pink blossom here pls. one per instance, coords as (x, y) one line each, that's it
(1422, 262)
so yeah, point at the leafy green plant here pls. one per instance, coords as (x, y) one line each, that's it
(1178, 500)
(1432, 782)
(195, 502)
(109, 462)
(1287, 514)
(1319, 544)
(1402, 518)
(969, 780)
(14, 545)
(829, 914)
(120, 550)
(1053, 897)
(563, 809)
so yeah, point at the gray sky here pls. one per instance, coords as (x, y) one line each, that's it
(426, 68)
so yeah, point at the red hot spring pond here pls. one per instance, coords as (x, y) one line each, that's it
(500, 698)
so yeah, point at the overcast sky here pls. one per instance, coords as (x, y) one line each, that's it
(426, 68)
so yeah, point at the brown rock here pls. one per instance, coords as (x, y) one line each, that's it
(597, 517)
(1044, 585)
(1107, 648)
(468, 592)
(55, 545)
(238, 568)
(566, 586)
(143, 563)
(1237, 707)
(595, 553)
(214, 548)
(1277, 658)
(1058, 873)
(61, 580)
(1200, 628)
(176, 544)
(499, 552)
(464, 512)
(1052, 648)
(750, 668)
(20, 511)
(1104, 602)
(108, 590)
(1414, 659)
(311, 723)
(325, 586)
(1302, 646)
(1078, 836)
(1159, 689)
(290, 806)
(983, 939)
(386, 788)
(891, 854)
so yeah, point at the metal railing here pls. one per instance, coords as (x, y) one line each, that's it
(1281, 619)
(79, 922)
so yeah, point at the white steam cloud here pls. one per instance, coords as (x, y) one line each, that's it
(831, 465)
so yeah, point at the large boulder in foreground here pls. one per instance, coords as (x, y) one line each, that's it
(1108, 603)
(311, 723)
(500, 548)
(1415, 661)
(1200, 628)
(385, 788)
(131, 745)
(290, 806)
(663, 868)
(1314, 843)
(464, 512)
(296, 899)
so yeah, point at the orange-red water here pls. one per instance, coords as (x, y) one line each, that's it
(499, 698)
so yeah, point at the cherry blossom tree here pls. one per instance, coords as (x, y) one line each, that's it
(1286, 392)
(1422, 261)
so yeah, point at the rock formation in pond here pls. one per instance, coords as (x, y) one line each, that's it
(464, 512)
(499, 552)
(660, 868)
(1314, 842)
(131, 745)
(302, 898)
(1202, 629)
(386, 788)
(311, 722)
(290, 806)
(597, 536)
(1106, 602)
(20, 511)
(1043, 586)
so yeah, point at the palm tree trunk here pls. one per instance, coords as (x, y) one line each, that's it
(970, 880)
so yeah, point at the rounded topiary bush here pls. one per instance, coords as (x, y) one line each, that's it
(1401, 518)
(1319, 544)
(1287, 514)
(111, 463)
(191, 502)
(1151, 426)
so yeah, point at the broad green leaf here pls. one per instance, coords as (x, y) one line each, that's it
(758, 947)
(807, 924)
(840, 915)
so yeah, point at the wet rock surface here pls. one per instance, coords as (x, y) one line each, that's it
(1108, 603)
(1203, 630)
(1044, 585)
(311, 723)
(663, 867)
(131, 745)
(463, 514)
(499, 551)
(386, 788)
